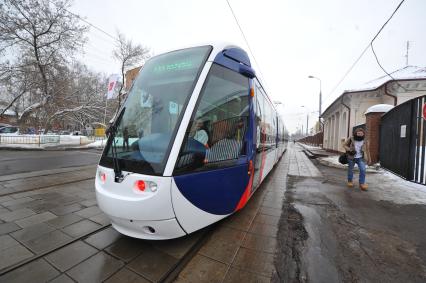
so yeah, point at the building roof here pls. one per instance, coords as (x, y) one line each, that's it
(406, 73)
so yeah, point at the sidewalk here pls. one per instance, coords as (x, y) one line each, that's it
(242, 246)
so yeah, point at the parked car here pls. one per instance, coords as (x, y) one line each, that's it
(2, 125)
(9, 130)
(30, 131)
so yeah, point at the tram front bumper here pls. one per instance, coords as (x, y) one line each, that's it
(146, 214)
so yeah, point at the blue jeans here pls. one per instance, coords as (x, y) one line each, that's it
(361, 166)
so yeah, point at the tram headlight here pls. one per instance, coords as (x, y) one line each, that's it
(153, 186)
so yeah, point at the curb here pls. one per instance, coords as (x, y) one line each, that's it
(21, 148)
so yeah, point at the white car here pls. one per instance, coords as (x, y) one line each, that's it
(10, 130)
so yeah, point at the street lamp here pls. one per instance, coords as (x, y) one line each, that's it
(320, 100)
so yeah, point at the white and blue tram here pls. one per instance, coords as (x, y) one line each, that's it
(194, 139)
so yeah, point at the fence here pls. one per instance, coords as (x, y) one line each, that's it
(29, 139)
(315, 140)
(403, 140)
(47, 140)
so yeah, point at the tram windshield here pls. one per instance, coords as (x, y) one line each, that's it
(153, 109)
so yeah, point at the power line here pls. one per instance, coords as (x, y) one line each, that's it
(348, 71)
(245, 39)
(391, 16)
(374, 53)
(370, 44)
(87, 22)
(378, 62)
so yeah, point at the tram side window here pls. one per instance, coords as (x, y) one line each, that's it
(265, 133)
(261, 118)
(216, 134)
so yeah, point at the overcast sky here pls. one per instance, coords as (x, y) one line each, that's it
(290, 39)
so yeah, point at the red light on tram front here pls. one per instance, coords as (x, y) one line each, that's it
(102, 176)
(140, 185)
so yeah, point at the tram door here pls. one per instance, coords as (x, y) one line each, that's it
(260, 137)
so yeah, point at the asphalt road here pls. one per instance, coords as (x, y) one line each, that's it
(19, 161)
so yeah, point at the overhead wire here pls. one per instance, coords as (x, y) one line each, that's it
(93, 55)
(87, 22)
(370, 45)
(372, 48)
(246, 41)
(388, 74)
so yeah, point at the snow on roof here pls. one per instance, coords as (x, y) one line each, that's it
(379, 108)
(406, 73)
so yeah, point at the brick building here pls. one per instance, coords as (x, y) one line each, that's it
(9, 118)
(131, 76)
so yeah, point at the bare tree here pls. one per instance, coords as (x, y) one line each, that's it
(40, 36)
(129, 55)
(81, 99)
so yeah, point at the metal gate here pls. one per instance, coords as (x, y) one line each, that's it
(403, 140)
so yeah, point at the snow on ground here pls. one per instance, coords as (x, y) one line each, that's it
(389, 187)
(97, 144)
(402, 182)
(311, 147)
(385, 185)
(334, 162)
(75, 140)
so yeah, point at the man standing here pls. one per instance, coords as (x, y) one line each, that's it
(357, 153)
(126, 139)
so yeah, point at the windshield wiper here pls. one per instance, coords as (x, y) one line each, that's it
(118, 173)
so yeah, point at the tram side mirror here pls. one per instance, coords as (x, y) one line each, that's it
(247, 71)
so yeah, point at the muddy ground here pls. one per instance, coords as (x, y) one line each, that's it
(331, 233)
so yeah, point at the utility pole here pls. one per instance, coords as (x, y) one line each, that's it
(307, 121)
(320, 100)
(406, 54)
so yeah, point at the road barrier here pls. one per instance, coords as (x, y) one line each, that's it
(29, 139)
(47, 140)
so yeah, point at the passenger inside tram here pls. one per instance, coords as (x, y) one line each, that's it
(200, 132)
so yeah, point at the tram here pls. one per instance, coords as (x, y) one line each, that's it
(194, 139)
